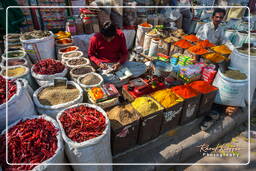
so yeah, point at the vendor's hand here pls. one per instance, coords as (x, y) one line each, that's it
(103, 66)
(116, 66)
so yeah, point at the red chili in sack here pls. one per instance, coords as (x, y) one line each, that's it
(11, 89)
(48, 67)
(82, 123)
(29, 141)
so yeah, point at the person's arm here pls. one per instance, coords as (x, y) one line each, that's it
(92, 54)
(123, 50)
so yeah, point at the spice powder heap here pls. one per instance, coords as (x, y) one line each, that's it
(90, 79)
(166, 98)
(202, 86)
(183, 44)
(122, 115)
(215, 57)
(191, 38)
(146, 105)
(222, 49)
(14, 72)
(184, 91)
(82, 70)
(77, 61)
(58, 95)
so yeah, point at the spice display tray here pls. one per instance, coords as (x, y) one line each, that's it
(190, 109)
(206, 102)
(150, 127)
(125, 137)
(171, 117)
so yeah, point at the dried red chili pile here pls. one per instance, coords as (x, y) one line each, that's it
(11, 89)
(29, 141)
(48, 67)
(82, 123)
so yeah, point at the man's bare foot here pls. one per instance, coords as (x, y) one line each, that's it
(230, 110)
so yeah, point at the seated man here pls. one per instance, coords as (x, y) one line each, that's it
(213, 31)
(108, 48)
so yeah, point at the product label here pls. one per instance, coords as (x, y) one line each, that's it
(124, 132)
(171, 114)
(190, 110)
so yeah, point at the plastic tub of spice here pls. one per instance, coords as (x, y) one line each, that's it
(80, 71)
(151, 118)
(70, 55)
(67, 49)
(89, 80)
(208, 93)
(51, 99)
(14, 54)
(172, 104)
(190, 104)
(77, 62)
(124, 122)
(179, 47)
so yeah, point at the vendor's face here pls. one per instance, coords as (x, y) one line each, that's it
(217, 18)
(109, 39)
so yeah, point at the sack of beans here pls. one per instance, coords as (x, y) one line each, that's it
(70, 55)
(50, 99)
(77, 62)
(67, 49)
(90, 80)
(20, 103)
(14, 62)
(46, 70)
(80, 71)
(86, 133)
(35, 140)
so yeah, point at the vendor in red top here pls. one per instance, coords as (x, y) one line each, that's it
(108, 46)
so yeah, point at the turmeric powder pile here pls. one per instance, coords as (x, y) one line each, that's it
(222, 49)
(146, 105)
(191, 38)
(198, 50)
(183, 44)
(214, 57)
(205, 44)
(166, 98)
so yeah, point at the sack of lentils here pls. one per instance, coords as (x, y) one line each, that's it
(86, 132)
(90, 80)
(19, 101)
(71, 55)
(67, 49)
(77, 62)
(80, 71)
(46, 70)
(51, 99)
(14, 54)
(14, 62)
(35, 140)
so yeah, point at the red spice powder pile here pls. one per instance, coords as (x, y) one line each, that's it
(184, 91)
(202, 86)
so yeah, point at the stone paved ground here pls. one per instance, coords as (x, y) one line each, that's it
(238, 137)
